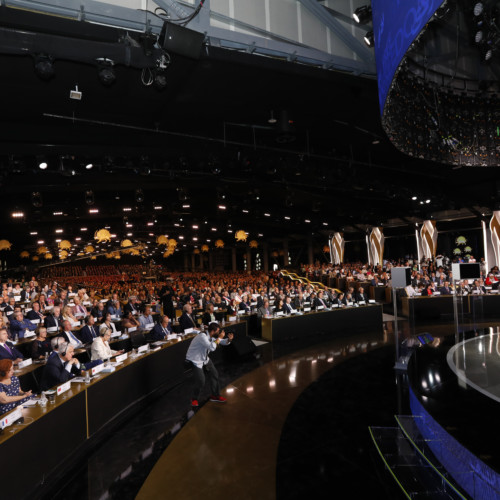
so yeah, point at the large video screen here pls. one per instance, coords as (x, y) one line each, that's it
(396, 23)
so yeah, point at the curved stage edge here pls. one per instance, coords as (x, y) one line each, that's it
(452, 400)
(232, 449)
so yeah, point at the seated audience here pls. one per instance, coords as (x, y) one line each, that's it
(100, 347)
(11, 394)
(7, 349)
(41, 345)
(60, 367)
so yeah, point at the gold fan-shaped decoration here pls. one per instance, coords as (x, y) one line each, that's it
(48, 256)
(5, 245)
(196, 251)
(205, 248)
(134, 251)
(117, 255)
(168, 252)
(41, 250)
(35, 258)
(219, 244)
(162, 240)
(274, 254)
(326, 249)
(63, 254)
(64, 245)
(126, 243)
(172, 243)
(80, 254)
(93, 257)
(24, 255)
(241, 235)
(89, 249)
(102, 235)
(253, 244)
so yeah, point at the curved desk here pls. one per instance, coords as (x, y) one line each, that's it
(55, 437)
(335, 323)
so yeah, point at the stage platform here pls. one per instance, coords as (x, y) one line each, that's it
(454, 391)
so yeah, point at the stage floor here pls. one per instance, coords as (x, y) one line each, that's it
(457, 381)
(476, 362)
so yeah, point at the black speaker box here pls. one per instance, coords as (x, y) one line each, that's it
(243, 346)
(181, 40)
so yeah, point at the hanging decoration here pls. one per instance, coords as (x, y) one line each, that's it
(89, 249)
(241, 235)
(48, 256)
(168, 253)
(24, 255)
(461, 240)
(172, 243)
(429, 237)
(64, 245)
(204, 248)
(162, 240)
(35, 258)
(338, 244)
(5, 245)
(253, 244)
(219, 244)
(102, 235)
(126, 243)
(196, 251)
(63, 254)
(42, 250)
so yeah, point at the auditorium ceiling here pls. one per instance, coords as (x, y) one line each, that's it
(204, 153)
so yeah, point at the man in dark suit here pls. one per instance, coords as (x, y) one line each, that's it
(299, 301)
(131, 306)
(445, 289)
(287, 306)
(361, 295)
(7, 349)
(54, 319)
(319, 301)
(60, 367)
(265, 310)
(19, 325)
(160, 330)
(89, 332)
(35, 313)
(260, 299)
(187, 319)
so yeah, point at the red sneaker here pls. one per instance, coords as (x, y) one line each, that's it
(194, 402)
(218, 399)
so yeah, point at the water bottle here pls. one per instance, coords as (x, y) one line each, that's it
(46, 356)
(223, 322)
(43, 400)
(87, 377)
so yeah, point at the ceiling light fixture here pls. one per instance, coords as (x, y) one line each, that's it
(42, 165)
(44, 66)
(369, 39)
(362, 14)
(106, 71)
(93, 211)
(17, 215)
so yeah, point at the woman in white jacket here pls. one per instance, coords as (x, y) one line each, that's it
(100, 346)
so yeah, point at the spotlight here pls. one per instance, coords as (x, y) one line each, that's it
(139, 195)
(362, 14)
(369, 39)
(36, 199)
(479, 37)
(42, 165)
(106, 71)
(89, 166)
(44, 66)
(89, 197)
(478, 9)
(160, 79)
